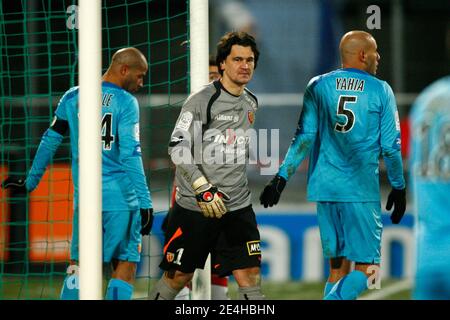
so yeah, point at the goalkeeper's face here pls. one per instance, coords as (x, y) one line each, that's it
(239, 65)
(134, 79)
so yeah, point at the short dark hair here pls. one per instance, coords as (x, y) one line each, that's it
(212, 61)
(240, 38)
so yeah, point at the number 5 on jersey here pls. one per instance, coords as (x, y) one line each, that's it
(347, 113)
(107, 136)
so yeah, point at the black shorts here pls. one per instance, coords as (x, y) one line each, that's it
(232, 240)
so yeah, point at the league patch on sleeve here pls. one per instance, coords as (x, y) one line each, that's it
(398, 143)
(185, 121)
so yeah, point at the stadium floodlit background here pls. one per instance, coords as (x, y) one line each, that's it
(297, 39)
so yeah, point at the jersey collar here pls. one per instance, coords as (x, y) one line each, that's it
(110, 84)
(356, 70)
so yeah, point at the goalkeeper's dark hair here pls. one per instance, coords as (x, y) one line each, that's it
(240, 38)
(212, 61)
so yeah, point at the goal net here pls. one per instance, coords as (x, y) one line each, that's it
(39, 62)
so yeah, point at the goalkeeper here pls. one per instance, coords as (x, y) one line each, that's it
(212, 210)
(127, 206)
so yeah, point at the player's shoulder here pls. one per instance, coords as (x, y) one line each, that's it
(435, 96)
(321, 78)
(70, 94)
(440, 87)
(251, 95)
(204, 95)
(314, 81)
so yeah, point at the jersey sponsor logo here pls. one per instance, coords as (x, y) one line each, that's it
(251, 117)
(349, 84)
(185, 121)
(254, 247)
(225, 117)
(231, 139)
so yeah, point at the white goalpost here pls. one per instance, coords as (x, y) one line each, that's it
(199, 56)
(90, 161)
(90, 170)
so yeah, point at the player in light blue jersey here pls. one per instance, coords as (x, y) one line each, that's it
(430, 182)
(349, 119)
(126, 202)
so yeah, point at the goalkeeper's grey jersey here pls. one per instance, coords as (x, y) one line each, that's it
(211, 138)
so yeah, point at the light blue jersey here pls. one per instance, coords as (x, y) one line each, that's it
(349, 118)
(430, 182)
(124, 186)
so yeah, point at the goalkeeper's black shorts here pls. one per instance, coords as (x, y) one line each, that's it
(233, 241)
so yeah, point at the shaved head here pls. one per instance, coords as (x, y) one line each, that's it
(358, 50)
(127, 69)
(131, 57)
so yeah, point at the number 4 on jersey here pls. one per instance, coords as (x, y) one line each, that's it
(347, 113)
(107, 137)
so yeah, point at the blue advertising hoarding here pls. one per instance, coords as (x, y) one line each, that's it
(292, 250)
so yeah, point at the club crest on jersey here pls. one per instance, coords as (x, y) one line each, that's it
(169, 256)
(251, 116)
(254, 247)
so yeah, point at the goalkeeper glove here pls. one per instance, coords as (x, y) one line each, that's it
(15, 184)
(209, 198)
(398, 199)
(272, 192)
(146, 221)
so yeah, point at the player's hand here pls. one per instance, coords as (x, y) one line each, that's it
(15, 184)
(146, 221)
(272, 192)
(398, 199)
(210, 199)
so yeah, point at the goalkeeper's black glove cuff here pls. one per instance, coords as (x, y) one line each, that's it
(280, 183)
(146, 221)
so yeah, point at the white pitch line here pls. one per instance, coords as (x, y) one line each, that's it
(388, 291)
